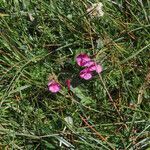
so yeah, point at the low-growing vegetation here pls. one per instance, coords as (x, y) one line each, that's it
(52, 97)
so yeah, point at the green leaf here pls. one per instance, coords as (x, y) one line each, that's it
(84, 98)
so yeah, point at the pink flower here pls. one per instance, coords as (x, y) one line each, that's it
(86, 74)
(53, 86)
(85, 61)
(82, 59)
(68, 82)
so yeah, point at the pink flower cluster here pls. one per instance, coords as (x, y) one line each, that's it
(84, 60)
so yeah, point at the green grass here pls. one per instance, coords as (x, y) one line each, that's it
(40, 38)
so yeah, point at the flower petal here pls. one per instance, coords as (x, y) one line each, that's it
(95, 67)
(88, 63)
(99, 68)
(86, 74)
(82, 59)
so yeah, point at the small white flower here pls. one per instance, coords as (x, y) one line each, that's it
(69, 16)
(96, 10)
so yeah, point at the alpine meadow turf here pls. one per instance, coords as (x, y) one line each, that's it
(39, 43)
